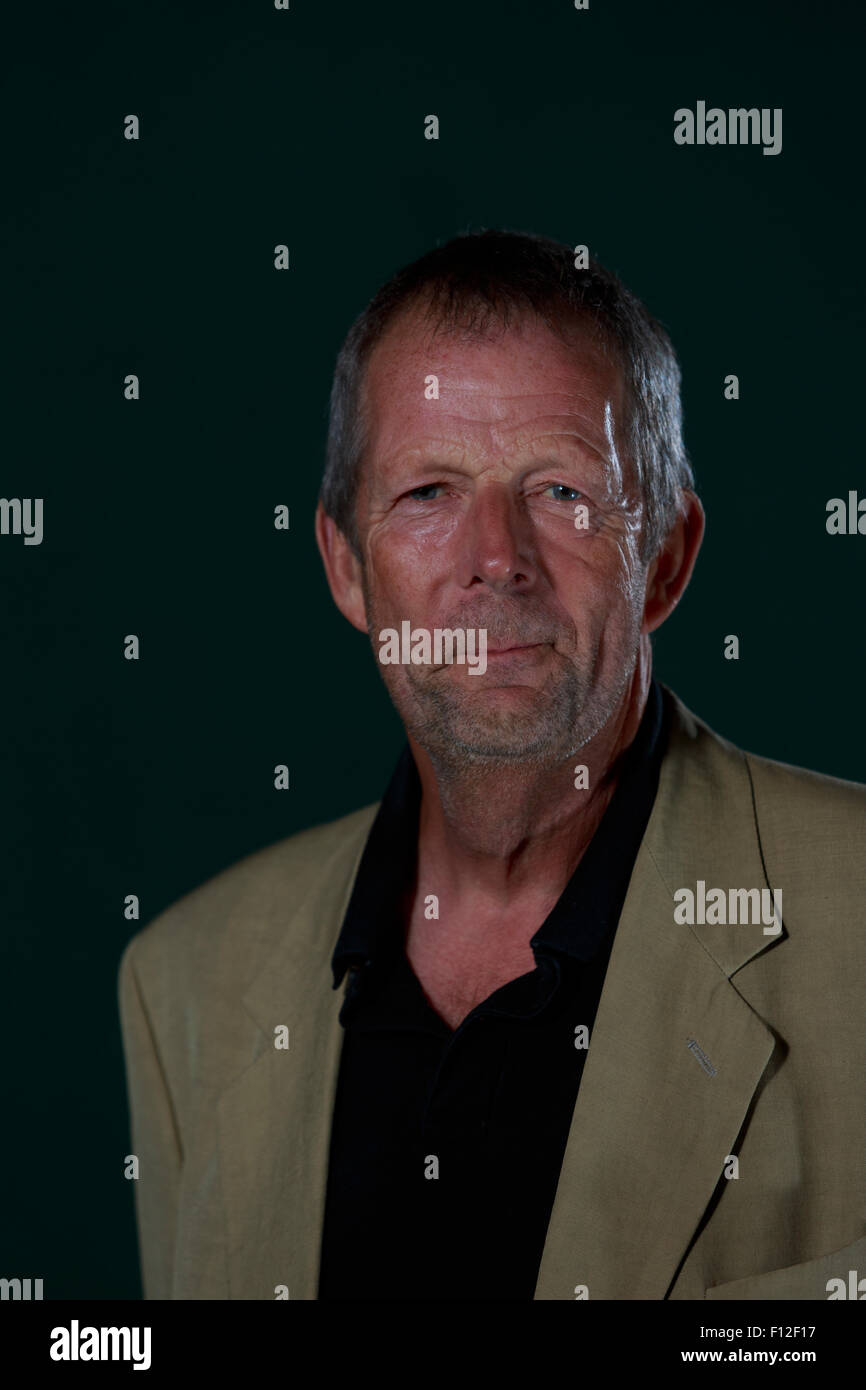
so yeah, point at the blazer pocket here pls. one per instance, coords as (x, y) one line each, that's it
(807, 1280)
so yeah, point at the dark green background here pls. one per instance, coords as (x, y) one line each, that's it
(156, 257)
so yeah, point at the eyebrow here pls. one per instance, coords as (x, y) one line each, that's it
(433, 462)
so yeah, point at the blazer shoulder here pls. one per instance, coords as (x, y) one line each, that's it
(809, 825)
(241, 910)
(799, 798)
(780, 790)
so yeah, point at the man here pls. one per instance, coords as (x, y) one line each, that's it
(576, 1010)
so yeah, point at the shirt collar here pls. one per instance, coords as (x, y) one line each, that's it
(591, 899)
(386, 865)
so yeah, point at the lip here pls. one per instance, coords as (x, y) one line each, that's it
(510, 651)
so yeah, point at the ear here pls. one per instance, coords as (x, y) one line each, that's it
(672, 567)
(342, 568)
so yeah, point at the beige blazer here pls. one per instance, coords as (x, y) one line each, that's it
(709, 1041)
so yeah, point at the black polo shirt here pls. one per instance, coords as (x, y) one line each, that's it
(446, 1147)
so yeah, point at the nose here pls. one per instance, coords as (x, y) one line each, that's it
(496, 545)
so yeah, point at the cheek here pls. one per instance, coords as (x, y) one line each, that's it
(624, 572)
(603, 596)
(411, 557)
(419, 539)
(399, 579)
(604, 576)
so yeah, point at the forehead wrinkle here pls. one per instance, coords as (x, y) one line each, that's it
(568, 401)
(576, 438)
(428, 449)
(611, 442)
(537, 443)
(568, 406)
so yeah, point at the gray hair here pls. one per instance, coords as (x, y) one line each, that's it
(493, 277)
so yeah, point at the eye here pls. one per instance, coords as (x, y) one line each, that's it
(425, 488)
(560, 488)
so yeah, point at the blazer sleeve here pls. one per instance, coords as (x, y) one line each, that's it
(154, 1131)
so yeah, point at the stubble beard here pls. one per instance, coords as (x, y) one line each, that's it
(463, 729)
(467, 735)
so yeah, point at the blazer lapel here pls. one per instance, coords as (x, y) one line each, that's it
(675, 1054)
(274, 1121)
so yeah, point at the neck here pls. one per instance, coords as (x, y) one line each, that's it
(501, 837)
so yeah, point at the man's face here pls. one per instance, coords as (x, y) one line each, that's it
(466, 517)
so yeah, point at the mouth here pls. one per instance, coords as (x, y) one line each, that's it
(513, 651)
